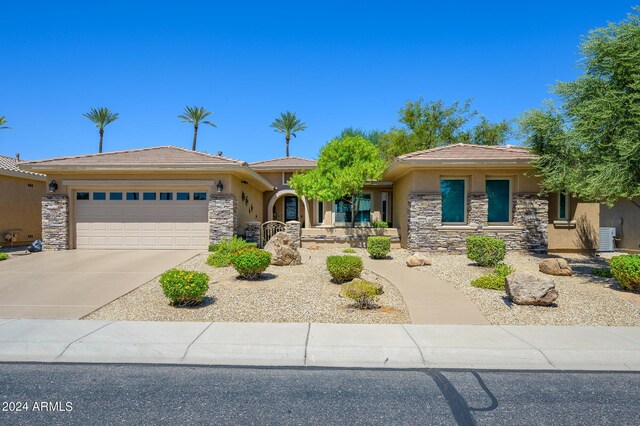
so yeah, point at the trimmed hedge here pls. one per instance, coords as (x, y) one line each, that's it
(349, 250)
(363, 293)
(602, 272)
(184, 288)
(378, 247)
(344, 268)
(4, 256)
(222, 251)
(486, 251)
(380, 224)
(494, 281)
(626, 269)
(250, 262)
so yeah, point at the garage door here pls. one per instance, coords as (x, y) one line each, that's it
(141, 220)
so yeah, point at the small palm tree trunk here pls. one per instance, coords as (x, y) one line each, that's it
(195, 137)
(101, 135)
(287, 139)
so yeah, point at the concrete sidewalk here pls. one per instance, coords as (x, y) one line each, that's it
(324, 345)
(429, 299)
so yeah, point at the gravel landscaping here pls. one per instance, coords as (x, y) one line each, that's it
(301, 293)
(584, 298)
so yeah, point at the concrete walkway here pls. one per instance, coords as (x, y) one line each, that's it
(430, 300)
(323, 345)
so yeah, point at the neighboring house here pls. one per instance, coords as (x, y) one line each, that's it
(170, 197)
(20, 197)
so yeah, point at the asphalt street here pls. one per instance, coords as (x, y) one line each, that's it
(156, 394)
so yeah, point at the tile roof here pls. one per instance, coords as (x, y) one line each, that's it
(161, 155)
(470, 152)
(10, 164)
(284, 163)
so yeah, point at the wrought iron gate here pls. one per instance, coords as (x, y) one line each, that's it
(269, 229)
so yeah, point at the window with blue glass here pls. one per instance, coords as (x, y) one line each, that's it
(99, 196)
(166, 196)
(182, 196)
(133, 196)
(499, 196)
(148, 196)
(115, 196)
(82, 195)
(563, 206)
(453, 200)
(199, 196)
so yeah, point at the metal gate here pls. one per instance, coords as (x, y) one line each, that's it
(269, 229)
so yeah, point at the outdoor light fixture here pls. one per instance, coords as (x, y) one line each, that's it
(53, 186)
(219, 186)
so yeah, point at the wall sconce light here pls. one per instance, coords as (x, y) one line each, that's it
(219, 186)
(244, 182)
(53, 186)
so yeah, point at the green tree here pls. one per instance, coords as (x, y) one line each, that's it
(590, 146)
(196, 116)
(373, 136)
(101, 117)
(345, 164)
(3, 122)
(288, 124)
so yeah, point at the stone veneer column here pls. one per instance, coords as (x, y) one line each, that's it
(293, 229)
(223, 217)
(423, 216)
(55, 222)
(532, 212)
(252, 233)
(478, 209)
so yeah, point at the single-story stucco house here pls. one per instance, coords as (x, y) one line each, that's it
(21, 193)
(170, 197)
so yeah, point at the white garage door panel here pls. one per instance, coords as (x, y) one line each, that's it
(141, 224)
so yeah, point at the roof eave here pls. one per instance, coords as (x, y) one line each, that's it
(23, 175)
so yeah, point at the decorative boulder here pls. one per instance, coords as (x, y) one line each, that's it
(555, 266)
(283, 251)
(418, 259)
(527, 289)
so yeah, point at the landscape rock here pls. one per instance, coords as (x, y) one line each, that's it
(418, 259)
(527, 289)
(313, 248)
(555, 266)
(283, 250)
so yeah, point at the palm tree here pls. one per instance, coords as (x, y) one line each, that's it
(195, 115)
(288, 124)
(3, 122)
(101, 117)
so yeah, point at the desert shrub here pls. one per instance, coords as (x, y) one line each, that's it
(250, 262)
(4, 256)
(626, 269)
(380, 224)
(486, 251)
(222, 251)
(378, 247)
(602, 272)
(349, 250)
(344, 268)
(503, 269)
(184, 288)
(494, 281)
(363, 293)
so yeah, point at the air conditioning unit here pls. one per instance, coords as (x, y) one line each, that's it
(607, 239)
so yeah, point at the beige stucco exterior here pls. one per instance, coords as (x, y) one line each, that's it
(579, 233)
(625, 217)
(20, 208)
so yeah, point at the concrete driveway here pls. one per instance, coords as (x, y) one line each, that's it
(72, 284)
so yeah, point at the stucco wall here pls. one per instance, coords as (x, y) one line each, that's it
(580, 232)
(625, 217)
(20, 208)
(249, 206)
(401, 189)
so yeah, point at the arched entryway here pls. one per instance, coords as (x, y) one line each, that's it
(290, 196)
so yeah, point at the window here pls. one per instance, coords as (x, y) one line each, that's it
(182, 196)
(99, 196)
(499, 196)
(320, 212)
(384, 206)
(148, 196)
(82, 195)
(563, 206)
(166, 196)
(290, 208)
(199, 196)
(132, 196)
(454, 200)
(115, 196)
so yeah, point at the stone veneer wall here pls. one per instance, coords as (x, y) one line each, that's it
(527, 232)
(223, 217)
(55, 222)
(252, 232)
(294, 229)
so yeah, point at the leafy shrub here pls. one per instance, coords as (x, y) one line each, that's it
(486, 251)
(344, 268)
(349, 250)
(602, 272)
(363, 293)
(184, 288)
(494, 281)
(626, 269)
(250, 262)
(380, 224)
(378, 247)
(4, 256)
(223, 250)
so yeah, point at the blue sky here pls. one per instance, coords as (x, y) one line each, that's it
(337, 64)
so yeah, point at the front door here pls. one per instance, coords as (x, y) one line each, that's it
(290, 208)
